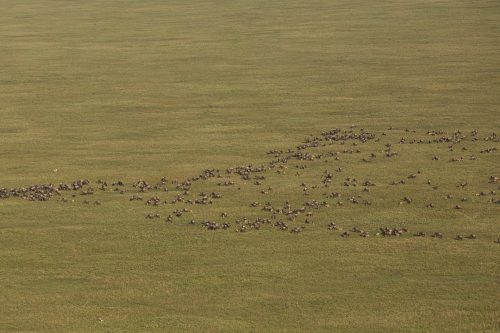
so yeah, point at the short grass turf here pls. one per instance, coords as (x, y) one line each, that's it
(144, 89)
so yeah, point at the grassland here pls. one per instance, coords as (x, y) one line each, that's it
(128, 90)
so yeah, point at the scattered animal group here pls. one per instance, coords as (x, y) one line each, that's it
(306, 155)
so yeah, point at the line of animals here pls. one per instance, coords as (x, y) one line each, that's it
(313, 149)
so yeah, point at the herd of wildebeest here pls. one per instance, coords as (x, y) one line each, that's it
(336, 188)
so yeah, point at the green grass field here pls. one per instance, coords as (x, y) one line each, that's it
(129, 90)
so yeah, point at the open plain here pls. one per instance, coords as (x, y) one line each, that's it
(249, 166)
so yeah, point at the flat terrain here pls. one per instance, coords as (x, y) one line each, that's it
(123, 91)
